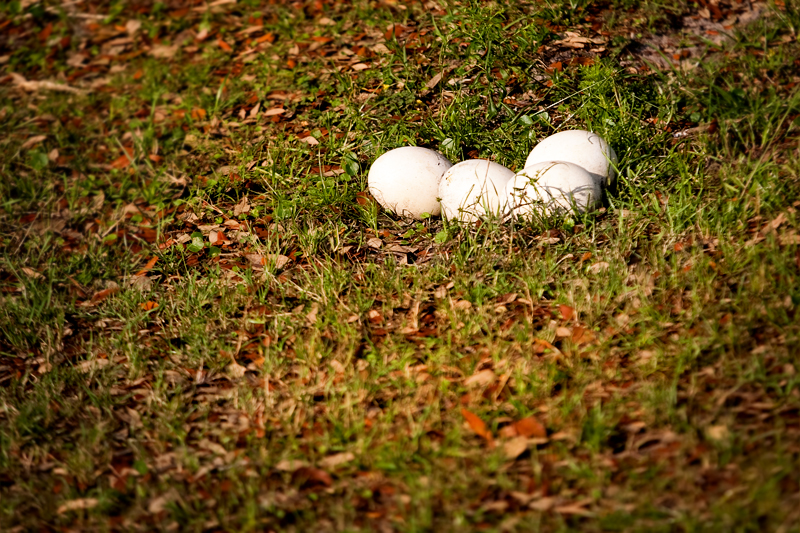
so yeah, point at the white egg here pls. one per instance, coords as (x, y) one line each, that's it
(551, 187)
(406, 180)
(473, 188)
(581, 147)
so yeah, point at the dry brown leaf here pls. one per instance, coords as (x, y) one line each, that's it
(307, 476)
(105, 293)
(600, 266)
(482, 378)
(242, 207)
(311, 317)
(274, 111)
(360, 66)
(311, 141)
(477, 425)
(260, 261)
(574, 509)
(718, 433)
(567, 312)
(236, 370)
(159, 503)
(462, 305)
(36, 139)
(162, 51)
(31, 273)
(773, 225)
(132, 26)
(290, 465)
(209, 7)
(542, 504)
(434, 81)
(77, 505)
(515, 447)
(150, 264)
(33, 86)
(575, 40)
(529, 427)
(332, 461)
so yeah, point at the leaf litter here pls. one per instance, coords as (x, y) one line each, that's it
(282, 368)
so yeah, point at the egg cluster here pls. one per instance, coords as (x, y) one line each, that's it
(565, 172)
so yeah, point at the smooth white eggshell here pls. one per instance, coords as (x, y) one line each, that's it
(406, 180)
(581, 147)
(551, 187)
(473, 188)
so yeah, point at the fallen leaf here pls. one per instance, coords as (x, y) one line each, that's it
(236, 370)
(542, 504)
(148, 306)
(76, 505)
(150, 264)
(573, 509)
(99, 296)
(159, 503)
(567, 312)
(772, 225)
(529, 427)
(575, 40)
(242, 207)
(33, 86)
(482, 378)
(274, 111)
(477, 425)
(563, 332)
(132, 26)
(311, 317)
(360, 66)
(718, 433)
(600, 266)
(515, 447)
(434, 81)
(36, 139)
(332, 461)
(260, 261)
(307, 476)
(462, 305)
(163, 51)
(290, 465)
(31, 273)
(88, 366)
(225, 46)
(310, 140)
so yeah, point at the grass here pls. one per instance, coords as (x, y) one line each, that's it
(206, 323)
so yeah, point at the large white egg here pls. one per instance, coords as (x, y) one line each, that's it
(473, 188)
(581, 147)
(551, 187)
(406, 180)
